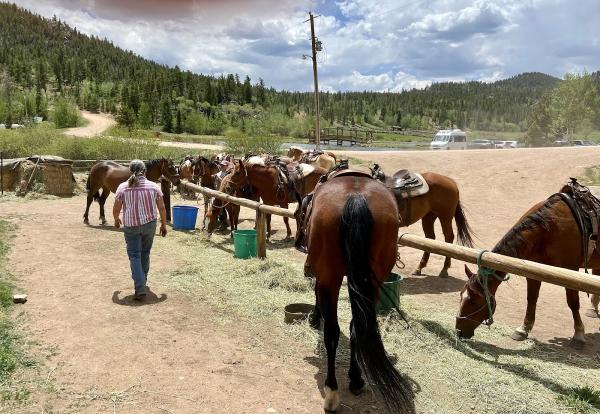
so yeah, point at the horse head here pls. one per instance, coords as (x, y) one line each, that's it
(477, 304)
(169, 170)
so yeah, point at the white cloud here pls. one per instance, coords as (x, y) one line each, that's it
(383, 45)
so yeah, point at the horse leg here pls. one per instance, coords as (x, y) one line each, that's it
(578, 340)
(101, 201)
(449, 238)
(357, 384)
(287, 228)
(268, 218)
(315, 317)
(533, 292)
(90, 200)
(595, 299)
(205, 211)
(429, 231)
(331, 336)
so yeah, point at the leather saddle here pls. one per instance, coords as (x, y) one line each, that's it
(585, 208)
(402, 180)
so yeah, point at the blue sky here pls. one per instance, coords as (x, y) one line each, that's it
(384, 45)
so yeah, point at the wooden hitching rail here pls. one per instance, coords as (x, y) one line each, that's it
(261, 211)
(533, 270)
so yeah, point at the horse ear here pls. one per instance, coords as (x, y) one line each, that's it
(468, 272)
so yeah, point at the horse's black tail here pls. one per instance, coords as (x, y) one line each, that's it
(356, 229)
(88, 187)
(465, 234)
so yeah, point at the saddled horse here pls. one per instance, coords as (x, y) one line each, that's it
(547, 233)
(440, 202)
(273, 186)
(232, 210)
(203, 172)
(352, 231)
(107, 175)
(323, 159)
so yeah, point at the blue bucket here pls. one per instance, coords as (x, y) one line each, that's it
(184, 217)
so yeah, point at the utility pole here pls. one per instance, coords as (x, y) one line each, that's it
(316, 47)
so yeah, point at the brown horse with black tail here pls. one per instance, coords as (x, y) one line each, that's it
(107, 175)
(352, 231)
(441, 202)
(204, 171)
(548, 233)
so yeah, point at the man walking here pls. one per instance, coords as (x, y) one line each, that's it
(138, 198)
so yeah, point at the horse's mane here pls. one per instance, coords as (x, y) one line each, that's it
(513, 241)
(152, 163)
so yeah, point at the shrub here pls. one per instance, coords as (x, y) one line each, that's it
(65, 114)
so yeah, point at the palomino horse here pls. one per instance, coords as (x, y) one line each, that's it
(107, 175)
(548, 233)
(322, 159)
(353, 231)
(270, 184)
(441, 202)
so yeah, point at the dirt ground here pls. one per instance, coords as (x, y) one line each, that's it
(172, 355)
(96, 124)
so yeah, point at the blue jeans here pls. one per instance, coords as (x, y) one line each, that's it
(139, 243)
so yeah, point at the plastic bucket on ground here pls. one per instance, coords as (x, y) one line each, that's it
(389, 293)
(244, 243)
(184, 217)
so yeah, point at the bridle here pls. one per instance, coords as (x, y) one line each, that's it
(482, 278)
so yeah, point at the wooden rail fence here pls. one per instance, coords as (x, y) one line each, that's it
(533, 270)
(261, 212)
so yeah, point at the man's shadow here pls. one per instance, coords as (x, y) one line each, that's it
(150, 299)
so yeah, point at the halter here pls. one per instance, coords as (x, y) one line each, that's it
(490, 301)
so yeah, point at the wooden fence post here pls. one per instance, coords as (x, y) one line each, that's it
(261, 234)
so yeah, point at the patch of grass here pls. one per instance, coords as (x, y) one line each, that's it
(490, 374)
(9, 354)
(584, 400)
(42, 141)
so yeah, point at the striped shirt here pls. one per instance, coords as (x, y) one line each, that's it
(139, 203)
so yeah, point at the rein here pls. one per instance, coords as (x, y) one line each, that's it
(490, 301)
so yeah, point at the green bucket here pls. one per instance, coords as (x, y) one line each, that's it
(244, 243)
(389, 294)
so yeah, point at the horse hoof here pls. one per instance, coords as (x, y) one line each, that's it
(86, 221)
(443, 274)
(357, 387)
(577, 344)
(332, 401)
(518, 335)
(417, 272)
(591, 313)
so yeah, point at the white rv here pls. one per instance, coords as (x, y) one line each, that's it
(447, 139)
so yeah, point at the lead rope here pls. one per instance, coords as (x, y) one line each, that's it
(485, 276)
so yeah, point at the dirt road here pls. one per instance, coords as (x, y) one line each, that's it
(96, 125)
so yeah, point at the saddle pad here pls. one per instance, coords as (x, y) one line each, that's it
(305, 169)
(255, 160)
(424, 189)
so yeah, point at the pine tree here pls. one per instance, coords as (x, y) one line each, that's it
(178, 125)
(145, 116)
(167, 116)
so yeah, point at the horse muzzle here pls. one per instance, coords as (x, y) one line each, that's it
(464, 334)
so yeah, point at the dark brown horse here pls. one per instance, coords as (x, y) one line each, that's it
(217, 206)
(352, 232)
(441, 202)
(204, 171)
(107, 175)
(266, 179)
(548, 233)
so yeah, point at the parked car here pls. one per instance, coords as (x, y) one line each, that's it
(561, 143)
(582, 143)
(481, 144)
(505, 144)
(446, 139)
